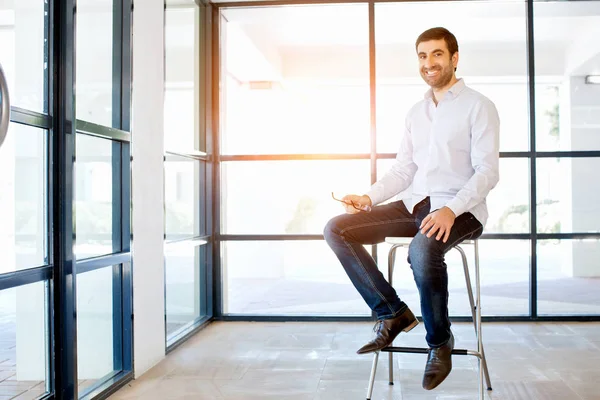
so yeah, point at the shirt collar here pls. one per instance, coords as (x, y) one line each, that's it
(454, 89)
(457, 87)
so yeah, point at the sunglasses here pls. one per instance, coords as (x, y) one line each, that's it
(355, 205)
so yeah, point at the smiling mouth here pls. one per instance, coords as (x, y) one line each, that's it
(432, 73)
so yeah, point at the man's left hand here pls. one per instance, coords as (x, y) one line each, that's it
(439, 221)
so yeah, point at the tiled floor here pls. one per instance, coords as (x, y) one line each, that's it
(298, 361)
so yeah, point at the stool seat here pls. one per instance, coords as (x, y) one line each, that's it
(405, 241)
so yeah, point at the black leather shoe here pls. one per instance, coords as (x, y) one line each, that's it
(386, 331)
(439, 365)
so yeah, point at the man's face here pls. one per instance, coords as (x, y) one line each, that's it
(435, 63)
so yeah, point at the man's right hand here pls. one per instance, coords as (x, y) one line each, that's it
(359, 201)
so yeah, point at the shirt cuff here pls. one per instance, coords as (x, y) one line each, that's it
(375, 195)
(457, 206)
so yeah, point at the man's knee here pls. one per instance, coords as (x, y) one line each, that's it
(424, 254)
(333, 227)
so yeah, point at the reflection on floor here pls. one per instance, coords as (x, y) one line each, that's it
(10, 386)
(174, 327)
(243, 360)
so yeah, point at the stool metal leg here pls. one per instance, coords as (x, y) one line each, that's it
(479, 339)
(391, 367)
(372, 378)
(476, 320)
(391, 261)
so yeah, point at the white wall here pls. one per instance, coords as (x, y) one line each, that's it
(147, 184)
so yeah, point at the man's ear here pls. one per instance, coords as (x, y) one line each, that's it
(455, 60)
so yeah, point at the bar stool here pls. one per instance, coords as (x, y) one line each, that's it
(397, 242)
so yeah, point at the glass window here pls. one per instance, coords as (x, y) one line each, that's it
(179, 121)
(504, 267)
(94, 63)
(508, 202)
(185, 280)
(294, 197)
(493, 60)
(181, 78)
(566, 52)
(93, 196)
(96, 327)
(287, 278)
(182, 197)
(568, 272)
(23, 198)
(568, 200)
(24, 344)
(24, 45)
(505, 283)
(285, 92)
(184, 180)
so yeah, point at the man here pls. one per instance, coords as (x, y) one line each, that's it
(449, 153)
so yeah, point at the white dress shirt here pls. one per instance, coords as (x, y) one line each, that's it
(449, 152)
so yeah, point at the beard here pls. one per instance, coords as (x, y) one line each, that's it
(441, 79)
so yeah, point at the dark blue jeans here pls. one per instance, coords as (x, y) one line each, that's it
(347, 233)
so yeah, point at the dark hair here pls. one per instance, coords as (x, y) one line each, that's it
(437, 34)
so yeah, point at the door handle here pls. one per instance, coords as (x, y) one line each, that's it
(4, 106)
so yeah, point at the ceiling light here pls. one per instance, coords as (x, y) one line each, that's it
(593, 79)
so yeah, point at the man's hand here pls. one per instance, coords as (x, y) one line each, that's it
(359, 201)
(439, 221)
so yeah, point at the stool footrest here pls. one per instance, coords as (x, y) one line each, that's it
(420, 350)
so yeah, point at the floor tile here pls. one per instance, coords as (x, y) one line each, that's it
(318, 361)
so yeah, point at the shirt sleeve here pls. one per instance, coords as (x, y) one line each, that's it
(485, 154)
(400, 176)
